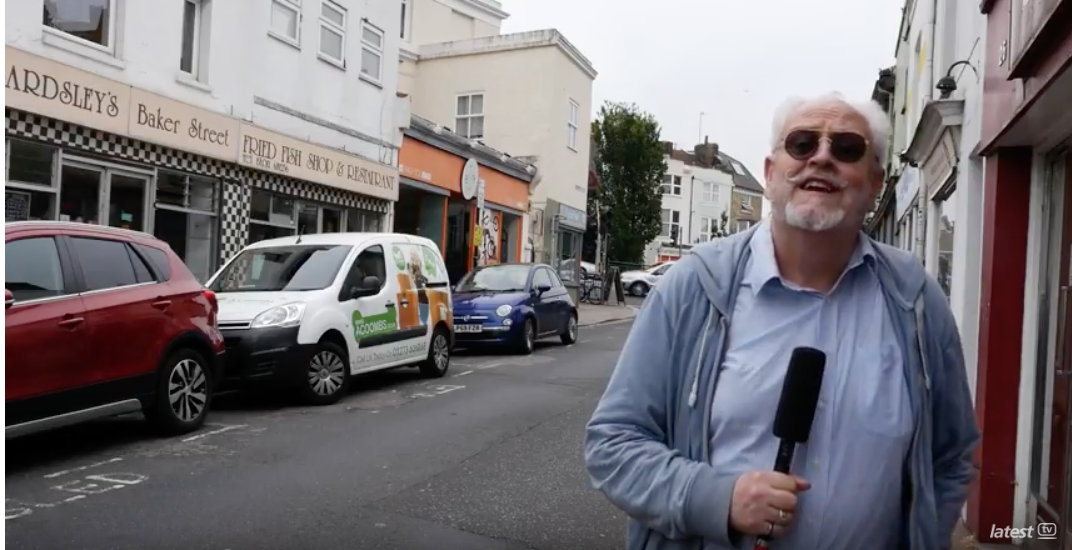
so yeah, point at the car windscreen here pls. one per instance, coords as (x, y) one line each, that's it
(290, 268)
(497, 278)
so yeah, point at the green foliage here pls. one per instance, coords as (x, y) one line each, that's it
(629, 161)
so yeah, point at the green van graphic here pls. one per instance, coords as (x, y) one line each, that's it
(429, 262)
(400, 258)
(374, 325)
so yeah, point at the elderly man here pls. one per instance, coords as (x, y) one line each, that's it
(681, 440)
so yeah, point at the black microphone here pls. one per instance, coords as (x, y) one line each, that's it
(796, 407)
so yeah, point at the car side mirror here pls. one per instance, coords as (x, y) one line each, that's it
(9, 299)
(370, 286)
(540, 289)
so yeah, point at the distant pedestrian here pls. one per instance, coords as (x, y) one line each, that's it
(681, 440)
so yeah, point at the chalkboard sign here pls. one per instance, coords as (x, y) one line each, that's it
(16, 206)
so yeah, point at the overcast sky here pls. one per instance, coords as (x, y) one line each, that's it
(735, 61)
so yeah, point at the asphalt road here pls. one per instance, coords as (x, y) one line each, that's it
(489, 457)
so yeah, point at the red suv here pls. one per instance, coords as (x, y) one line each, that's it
(102, 322)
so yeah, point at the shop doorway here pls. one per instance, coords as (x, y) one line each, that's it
(104, 195)
(1050, 501)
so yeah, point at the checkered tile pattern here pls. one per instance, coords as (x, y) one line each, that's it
(236, 180)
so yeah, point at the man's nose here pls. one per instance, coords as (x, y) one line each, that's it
(823, 155)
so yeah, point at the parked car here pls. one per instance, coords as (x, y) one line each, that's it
(308, 312)
(103, 322)
(513, 305)
(639, 282)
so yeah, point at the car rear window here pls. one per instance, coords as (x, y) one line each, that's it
(158, 259)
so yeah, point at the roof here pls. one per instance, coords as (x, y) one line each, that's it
(444, 138)
(339, 239)
(723, 162)
(509, 42)
(79, 227)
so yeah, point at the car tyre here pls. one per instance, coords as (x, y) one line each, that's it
(638, 289)
(326, 377)
(438, 361)
(528, 337)
(184, 390)
(570, 335)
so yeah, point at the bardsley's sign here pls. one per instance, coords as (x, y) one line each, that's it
(266, 150)
(168, 122)
(45, 87)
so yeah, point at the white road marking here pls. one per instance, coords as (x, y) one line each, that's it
(462, 374)
(490, 366)
(214, 432)
(80, 468)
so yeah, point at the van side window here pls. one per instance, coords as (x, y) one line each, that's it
(433, 266)
(32, 269)
(370, 262)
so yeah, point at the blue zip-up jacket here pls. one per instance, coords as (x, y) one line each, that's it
(647, 443)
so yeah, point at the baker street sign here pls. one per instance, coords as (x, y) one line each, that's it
(266, 150)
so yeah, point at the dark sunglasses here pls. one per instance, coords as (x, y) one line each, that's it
(847, 147)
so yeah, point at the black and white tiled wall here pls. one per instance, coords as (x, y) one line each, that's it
(237, 181)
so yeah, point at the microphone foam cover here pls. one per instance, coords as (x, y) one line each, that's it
(800, 395)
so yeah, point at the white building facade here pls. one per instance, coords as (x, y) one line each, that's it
(529, 94)
(209, 124)
(933, 203)
(697, 191)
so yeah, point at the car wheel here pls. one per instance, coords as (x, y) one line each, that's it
(183, 393)
(327, 375)
(528, 337)
(570, 336)
(438, 355)
(638, 289)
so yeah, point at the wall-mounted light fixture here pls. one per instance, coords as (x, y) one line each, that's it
(947, 84)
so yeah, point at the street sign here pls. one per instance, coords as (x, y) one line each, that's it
(470, 179)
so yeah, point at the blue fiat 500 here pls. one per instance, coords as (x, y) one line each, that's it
(513, 305)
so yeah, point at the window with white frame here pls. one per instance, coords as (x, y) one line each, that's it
(708, 229)
(333, 32)
(286, 20)
(469, 118)
(709, 192)
(371, 52)
(572, 125)
(92, 21)
(743, 225)
(671, 222)
(671, 185)
(191, 36)
(406, 14)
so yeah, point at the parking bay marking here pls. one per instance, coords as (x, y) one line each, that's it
(438, 390)
(214, 432)
(93, 484)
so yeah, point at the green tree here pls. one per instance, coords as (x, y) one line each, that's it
(629, 161)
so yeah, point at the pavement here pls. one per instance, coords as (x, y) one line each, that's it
(489, 457)
(588, 314)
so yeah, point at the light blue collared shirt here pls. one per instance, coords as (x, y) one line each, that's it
(863, 426)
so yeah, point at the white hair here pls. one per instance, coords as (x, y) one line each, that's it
(878, 122)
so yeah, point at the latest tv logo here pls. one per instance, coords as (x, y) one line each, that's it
(1044, 531)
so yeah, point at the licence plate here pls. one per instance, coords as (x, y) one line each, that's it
(468, 328)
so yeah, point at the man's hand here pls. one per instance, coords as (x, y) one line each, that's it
(757, 499)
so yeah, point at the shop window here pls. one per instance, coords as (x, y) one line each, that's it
(30, 193)
(92, 21)
(946, 218)
(270, 216)
(358, 221)
(186, 219)
(80, 194)
(308, 218)
(568, 253)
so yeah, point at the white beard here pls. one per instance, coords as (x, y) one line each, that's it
(813, 220)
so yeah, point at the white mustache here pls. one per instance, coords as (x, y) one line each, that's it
(796, 180)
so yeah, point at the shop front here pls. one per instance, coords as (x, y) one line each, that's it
(442, 176)
(1023, 391)
(564, 242)
(124, 157)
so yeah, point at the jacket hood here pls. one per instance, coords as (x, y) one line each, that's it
(711, 262)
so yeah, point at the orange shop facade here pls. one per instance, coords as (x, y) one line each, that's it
(431, 203)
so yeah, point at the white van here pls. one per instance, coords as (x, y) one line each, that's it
(311, 311)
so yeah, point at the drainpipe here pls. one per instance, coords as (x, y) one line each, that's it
(930, 33)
